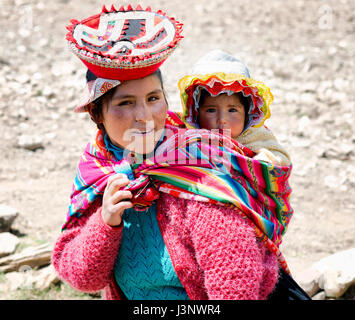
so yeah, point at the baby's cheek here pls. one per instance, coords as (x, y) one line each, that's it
(237, 128)
(207, 122)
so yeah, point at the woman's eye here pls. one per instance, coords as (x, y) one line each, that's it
(124, 103)
(153, 98)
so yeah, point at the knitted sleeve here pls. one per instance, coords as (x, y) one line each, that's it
(235, 264)
(84, 255)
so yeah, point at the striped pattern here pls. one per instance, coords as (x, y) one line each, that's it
(218, 171)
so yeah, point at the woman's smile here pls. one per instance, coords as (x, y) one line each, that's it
(143, 132)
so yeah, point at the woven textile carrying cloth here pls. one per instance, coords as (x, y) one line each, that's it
(218, 72)
(194, 164)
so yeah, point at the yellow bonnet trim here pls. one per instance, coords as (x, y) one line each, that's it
(263, 91)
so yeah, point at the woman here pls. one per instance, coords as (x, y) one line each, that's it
(124, 236)
(193, 257)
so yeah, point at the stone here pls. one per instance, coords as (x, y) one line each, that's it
(345, 152)
(304, 124)
(32, 257)
(335, 182)
(319, 296)
(45, 278)
(23, 78)
(291, 97)
(7, 217)
(14, 281)
(21, 49)
(8, 243)
(62, 68)
(309, 281)
(29, 278)
(37, 77)
(334, 274)
(30, 142)
(307, 98)
(340, 84)
(48, 92)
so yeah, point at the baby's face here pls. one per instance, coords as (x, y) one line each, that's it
(222, 112)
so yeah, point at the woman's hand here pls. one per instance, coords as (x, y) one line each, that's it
(115, 201)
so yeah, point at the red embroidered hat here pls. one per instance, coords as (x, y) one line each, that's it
(124, 44)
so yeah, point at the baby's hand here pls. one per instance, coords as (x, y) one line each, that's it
(115, 201)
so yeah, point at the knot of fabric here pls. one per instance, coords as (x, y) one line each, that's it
(144, 192)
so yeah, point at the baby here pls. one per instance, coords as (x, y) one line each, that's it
(221, 95)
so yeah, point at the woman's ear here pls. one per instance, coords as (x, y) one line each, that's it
(88, 109)
(95, 112)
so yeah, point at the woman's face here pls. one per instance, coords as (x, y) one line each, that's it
(222, 112)
(134, 117)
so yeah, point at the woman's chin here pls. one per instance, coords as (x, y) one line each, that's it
(144, 145)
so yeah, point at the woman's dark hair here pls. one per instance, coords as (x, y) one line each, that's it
(90, 76)
(96, 109)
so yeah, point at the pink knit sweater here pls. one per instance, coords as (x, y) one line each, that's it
(213, 250)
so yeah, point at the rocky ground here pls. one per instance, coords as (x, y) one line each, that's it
(303, 50)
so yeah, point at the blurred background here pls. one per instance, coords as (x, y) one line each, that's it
(303, 50)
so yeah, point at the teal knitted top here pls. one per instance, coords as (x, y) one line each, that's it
(143, 268)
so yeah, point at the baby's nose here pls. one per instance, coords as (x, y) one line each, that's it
(223, 119)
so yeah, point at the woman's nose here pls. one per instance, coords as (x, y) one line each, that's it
(143, 112)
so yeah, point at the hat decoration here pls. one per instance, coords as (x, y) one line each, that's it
(95, 89)
(124, 44)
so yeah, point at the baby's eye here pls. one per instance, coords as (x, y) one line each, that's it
(233, 110)
(210, 110)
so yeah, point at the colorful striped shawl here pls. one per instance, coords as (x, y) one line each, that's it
(200, 165)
